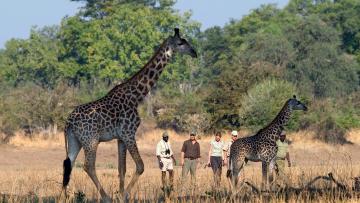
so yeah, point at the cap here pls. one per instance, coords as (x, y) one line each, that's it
(283, 133)
(234, 133)
(165, 134)
(192, 133)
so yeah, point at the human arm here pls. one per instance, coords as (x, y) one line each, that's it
(209, 155)
(223, 155)
(182, 158)
(172, 155)
(158, 153)
(160, 162)
(198, 154)
(288, 159)
(174, 160)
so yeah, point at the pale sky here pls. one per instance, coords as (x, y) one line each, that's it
(18, 16)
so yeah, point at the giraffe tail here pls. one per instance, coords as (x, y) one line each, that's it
(67, 172)
(66, 164)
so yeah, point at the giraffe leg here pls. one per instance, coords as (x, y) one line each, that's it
(236, 169)
(89, 167)
(265, 169)
(121, 165)
(139, 164)
(272, 166)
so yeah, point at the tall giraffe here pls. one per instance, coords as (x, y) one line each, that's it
(115, 116)
(262, 146)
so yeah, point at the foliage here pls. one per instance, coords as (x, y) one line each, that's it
(319, 65)
(245, 72)
(32, 60)
(180, 110)
(116, 46)
(331, 119)
(264, 101)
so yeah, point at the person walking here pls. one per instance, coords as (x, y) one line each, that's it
(166, 160)
(282, 155)
(216, 158)
(190, 154)
(234, 136)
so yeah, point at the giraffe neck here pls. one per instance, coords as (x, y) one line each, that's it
(273, 130)
(141, 83)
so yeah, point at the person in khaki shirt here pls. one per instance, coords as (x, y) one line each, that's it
(282, 155)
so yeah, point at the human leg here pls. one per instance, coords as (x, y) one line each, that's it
(193, 164)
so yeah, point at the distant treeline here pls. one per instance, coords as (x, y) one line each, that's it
(246, 69)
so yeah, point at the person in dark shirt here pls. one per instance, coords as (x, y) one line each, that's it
(190, 154)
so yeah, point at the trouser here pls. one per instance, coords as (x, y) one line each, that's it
(189, 165)
(280, 170)
(216, 165)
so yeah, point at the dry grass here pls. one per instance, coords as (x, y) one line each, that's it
(38, 141)
(32, 168)
(353, 136)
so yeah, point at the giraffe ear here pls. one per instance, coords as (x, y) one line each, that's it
(177, 32)
(294, 96)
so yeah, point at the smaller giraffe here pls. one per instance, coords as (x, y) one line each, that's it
(262, 146)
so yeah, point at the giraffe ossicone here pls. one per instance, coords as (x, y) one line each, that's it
(115, 116)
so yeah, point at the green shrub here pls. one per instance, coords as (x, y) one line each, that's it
(331, 118)
(264, 101)
(31, 107)
(180, 110)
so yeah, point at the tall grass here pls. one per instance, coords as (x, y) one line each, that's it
(31, 184)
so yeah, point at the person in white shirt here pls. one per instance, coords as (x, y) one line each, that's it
(216, 158)
(166, 159)
(234, 136)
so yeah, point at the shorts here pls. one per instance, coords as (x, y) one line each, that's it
(167, 164)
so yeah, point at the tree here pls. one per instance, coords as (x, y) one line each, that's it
(342, 15)
(34, 59)
(116, 46)
(319, 65)
(102, 8)
(215, 49)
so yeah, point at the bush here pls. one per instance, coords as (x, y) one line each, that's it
(181, 111)
(330, 131)
(31, 107)
(331, 119)
(264, 101)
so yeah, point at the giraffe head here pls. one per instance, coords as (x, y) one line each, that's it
(295, 104)
(180, 45)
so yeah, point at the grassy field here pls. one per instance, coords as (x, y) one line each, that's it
(31, 171)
